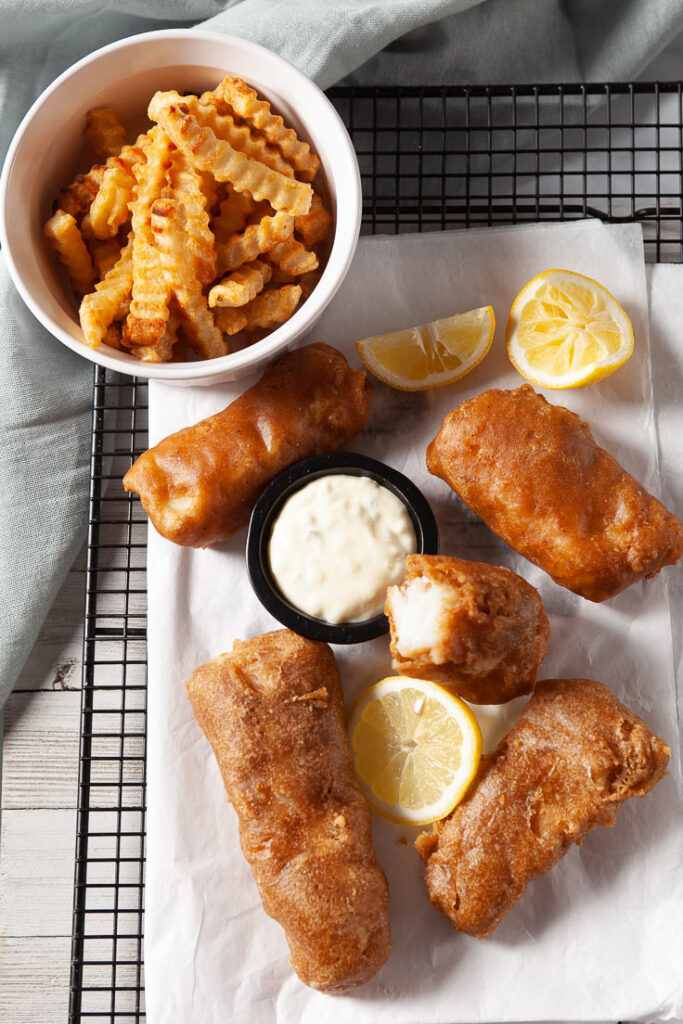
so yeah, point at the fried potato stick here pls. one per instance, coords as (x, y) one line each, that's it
(99, 309)
(198, 486)
(479, 629)
(246, 104)
(178, 245)
(534, 474)
(254, 241)
(232, 215)
(239, 136)
(149, 308)
(76, 199)
(104, 254)
(265, 311)
(62, 232)
(109, 208)
(241, 286)
(292, 257)
(273, 712)
(210, 153)
(574, 757)
(104, 132)
(314, 226)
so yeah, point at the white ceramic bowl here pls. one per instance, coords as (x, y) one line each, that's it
(48, 150)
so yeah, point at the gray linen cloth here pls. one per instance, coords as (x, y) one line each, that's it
(45, 390)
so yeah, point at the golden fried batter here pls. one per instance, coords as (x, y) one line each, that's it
(273, 712)
(479, 629)
(534, 474)
(198, 486)
(573, 758)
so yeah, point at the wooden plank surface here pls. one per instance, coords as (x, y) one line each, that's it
(38, 819)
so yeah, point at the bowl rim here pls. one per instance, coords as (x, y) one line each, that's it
(347, 228)
(267, 508)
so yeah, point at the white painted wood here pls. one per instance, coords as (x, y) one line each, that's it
(36, 873)
(35, 980)
(41, 749)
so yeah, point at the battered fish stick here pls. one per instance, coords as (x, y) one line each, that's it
(198, 486)
(573, 758)
(479, 629)
(534, 474)
(273, 712)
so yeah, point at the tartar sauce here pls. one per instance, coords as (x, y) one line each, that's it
(336, 546)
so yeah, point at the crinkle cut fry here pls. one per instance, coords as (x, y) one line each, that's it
(169, 223)
(63, 234)
(232, 215)
(315, 225)
(241, 286)
(209, 153)
(267, 310)
(291, 257)
(185, 184)
(246, 104)
(255, 240)
(77, 197)
(98, 309)
(109, 209)
(163, 350)
(239, 136)
(104, 132)
(104, 254)
(149, 308)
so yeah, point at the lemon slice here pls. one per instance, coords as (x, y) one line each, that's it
(416, 748)
(565, 331)
(430, 355)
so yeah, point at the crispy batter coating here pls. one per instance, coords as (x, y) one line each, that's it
(534, 474)
(575, 755)
(198, 486)
(479, 629)
(273, 712)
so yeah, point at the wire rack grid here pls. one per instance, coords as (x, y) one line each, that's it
(430, 158)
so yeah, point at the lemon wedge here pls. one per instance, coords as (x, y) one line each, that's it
(431, 355)
(416, 748)
(566, 330)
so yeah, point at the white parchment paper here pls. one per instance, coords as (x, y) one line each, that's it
(599, 937)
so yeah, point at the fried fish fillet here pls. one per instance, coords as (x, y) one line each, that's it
(479, 629)
(575, 755)
(534, 474)
(198, 486)
(273, 712)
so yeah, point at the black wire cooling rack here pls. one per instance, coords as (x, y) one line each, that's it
(430, 158)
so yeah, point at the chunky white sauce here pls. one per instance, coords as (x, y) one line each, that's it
(337, 544)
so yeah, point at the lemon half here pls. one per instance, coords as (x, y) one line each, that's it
(566, 330)
(416, 748)
(430, 355)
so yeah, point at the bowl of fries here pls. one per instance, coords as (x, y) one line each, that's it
(180, 205)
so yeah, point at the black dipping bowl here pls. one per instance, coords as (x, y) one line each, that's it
(267, 509)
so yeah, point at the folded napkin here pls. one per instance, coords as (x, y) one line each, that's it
(599, 937)
(44, 394)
